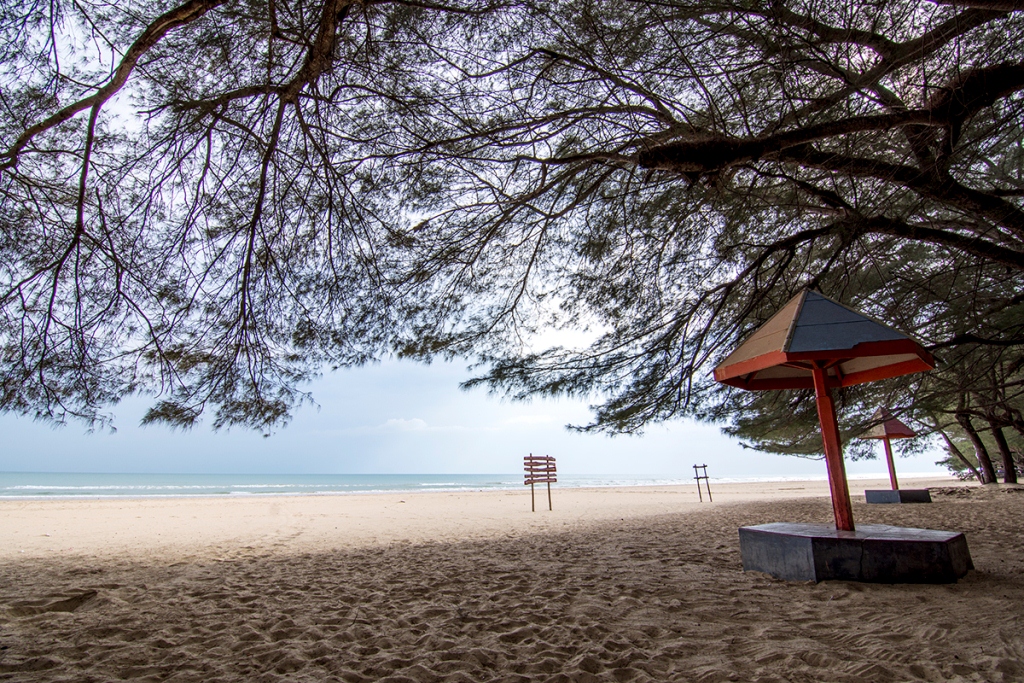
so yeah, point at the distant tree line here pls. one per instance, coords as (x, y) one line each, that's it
(213, 201)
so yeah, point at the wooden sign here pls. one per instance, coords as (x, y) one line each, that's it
(540, 469)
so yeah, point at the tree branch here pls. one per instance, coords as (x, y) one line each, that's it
(165, 23)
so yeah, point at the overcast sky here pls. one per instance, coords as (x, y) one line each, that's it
(402, 417)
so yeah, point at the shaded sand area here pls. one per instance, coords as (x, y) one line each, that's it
(614, 585)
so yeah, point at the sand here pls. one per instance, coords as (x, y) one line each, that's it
(613, 585)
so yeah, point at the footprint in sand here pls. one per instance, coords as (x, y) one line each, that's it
(28, 608)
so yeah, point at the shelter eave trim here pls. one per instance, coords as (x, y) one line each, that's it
(887, 371)
(925, 361)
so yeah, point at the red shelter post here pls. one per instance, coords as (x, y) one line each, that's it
(892, 465)
(842, 509)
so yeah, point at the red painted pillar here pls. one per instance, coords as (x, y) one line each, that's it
(841, 507)
(892, 465)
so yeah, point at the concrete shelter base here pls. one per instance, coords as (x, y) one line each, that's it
(874, 553)
(898, 496)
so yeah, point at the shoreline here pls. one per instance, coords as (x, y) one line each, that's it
(220, 526)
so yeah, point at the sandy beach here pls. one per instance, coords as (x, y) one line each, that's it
(639, 584)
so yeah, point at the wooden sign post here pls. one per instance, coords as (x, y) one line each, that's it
(698, 476)
(540, 469)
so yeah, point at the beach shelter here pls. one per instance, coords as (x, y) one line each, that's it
(816, 343)
(888, 428)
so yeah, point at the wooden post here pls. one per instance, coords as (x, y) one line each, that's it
(707, 482)
(533, 504)
(841, 507)
(549, 495)
(892, 465)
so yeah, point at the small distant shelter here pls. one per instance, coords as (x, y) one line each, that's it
(814, 342)
(886, 429)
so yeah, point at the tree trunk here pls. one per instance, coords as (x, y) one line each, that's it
(987, 470)
(1019, 428)
(960, 456)
(1009, 468)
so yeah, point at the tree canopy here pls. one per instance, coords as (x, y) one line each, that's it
(196, 196)
(215, 200)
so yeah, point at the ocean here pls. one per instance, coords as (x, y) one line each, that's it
(99, 485)
(22, 485)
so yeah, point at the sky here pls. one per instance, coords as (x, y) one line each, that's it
(399, 417)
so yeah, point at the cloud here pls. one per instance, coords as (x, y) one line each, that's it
(526, 420)
(518, 422)
(390, 426)
(416, 424)
(398, 424)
